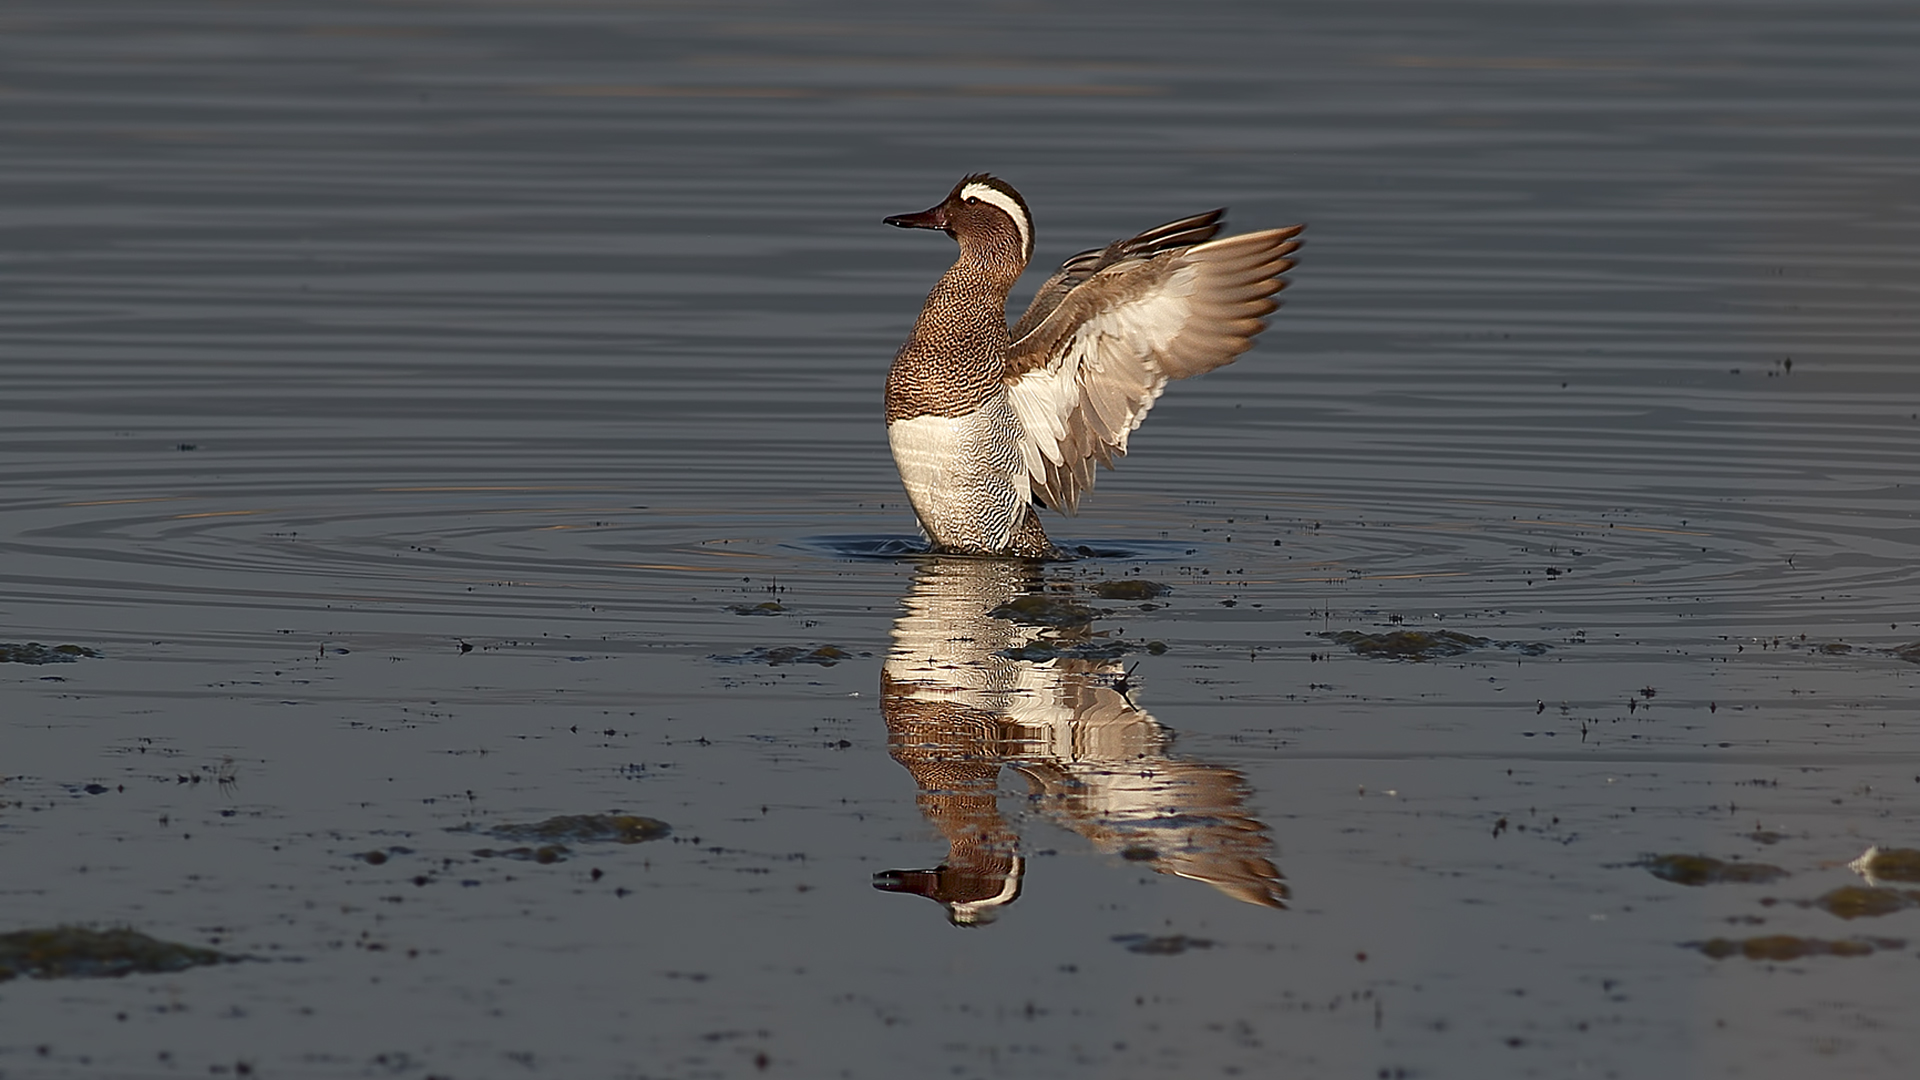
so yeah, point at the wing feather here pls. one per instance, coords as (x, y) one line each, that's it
(1107, 333)
(1186, 232)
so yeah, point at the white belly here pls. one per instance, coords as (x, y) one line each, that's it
(965, 476)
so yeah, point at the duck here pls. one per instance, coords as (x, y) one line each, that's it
(988, 423)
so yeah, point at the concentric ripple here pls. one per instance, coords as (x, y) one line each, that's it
(421, 418)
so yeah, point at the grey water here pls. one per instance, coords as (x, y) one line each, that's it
(439, 416)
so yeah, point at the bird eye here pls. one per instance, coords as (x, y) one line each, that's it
(973, 200)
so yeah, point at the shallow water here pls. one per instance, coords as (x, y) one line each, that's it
(415, 404)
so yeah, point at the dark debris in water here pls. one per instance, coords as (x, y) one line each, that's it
(1130, 589)
(35, 653)
(1418, 645)
(1791, 947)
(585, 829)
(1047, 609)
(1704, 870)
(76, 952)
(1865, 901)
(1167, 945)
(824, 655)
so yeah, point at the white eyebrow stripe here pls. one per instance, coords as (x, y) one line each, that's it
(1001, 199)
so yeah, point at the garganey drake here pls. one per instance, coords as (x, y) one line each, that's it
(987, 423)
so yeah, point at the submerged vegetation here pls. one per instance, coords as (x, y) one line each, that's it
(1791, 947)
(1130, 589)
(586, 829)
(1047, 609)
(1420, 645)
(1865, 901)
(1704, 870)
(78, 952)
(1888, 864)
(546, 841)
(766, 607)
(35, 653)
(1104, 648)
(776, 655)
(1168, 945)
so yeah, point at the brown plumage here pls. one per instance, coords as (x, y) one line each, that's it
(985, 421)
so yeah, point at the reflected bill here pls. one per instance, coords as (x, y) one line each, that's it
(995, 666)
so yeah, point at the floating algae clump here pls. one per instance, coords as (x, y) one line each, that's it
(1408, 644)
(1130, 589)
(825, 655)
(544, 854)
(1046, 609)
(1423, 644)
(1039, 652)
(1888, 864)
(769, 607)
(554, 834)
(35, 653)
(1170, 945)
(1864, 901)
(1790, 947)
(586, 829)
(75, 952)
(1702, 870)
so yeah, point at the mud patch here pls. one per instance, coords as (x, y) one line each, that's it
(1420, 645)
(1695, 870)
(35, 653)
(75, 952)
(1791, 947)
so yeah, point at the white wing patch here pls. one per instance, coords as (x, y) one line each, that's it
(1109, 373)
(1083, 379)
(993, 196)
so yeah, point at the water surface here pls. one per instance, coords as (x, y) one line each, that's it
(416, 405)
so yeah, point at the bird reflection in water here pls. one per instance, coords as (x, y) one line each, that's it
(993, 666)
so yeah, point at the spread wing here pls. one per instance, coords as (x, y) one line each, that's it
(1186, 232)
(1087, 368)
